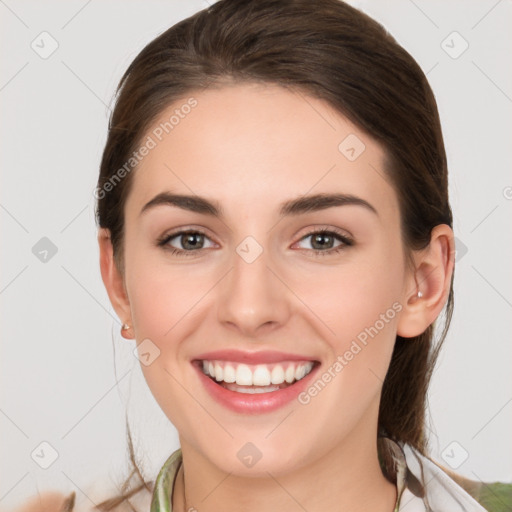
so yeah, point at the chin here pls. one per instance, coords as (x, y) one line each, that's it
(256, 459)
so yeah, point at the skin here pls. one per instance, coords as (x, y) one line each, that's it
(251, 147)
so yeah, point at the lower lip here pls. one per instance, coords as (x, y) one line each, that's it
(256, 403)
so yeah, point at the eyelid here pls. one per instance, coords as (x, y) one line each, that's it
(344, 236)
(164, 239)
(184, 229)
(319, 228)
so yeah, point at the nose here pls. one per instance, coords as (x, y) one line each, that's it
(253, 298)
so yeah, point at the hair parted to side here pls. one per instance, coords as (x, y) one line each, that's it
(332, 51)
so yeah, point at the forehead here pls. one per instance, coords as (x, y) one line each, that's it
(258, 144)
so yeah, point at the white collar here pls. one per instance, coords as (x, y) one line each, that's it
(442, 493)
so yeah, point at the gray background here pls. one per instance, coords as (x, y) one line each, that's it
(67, 374)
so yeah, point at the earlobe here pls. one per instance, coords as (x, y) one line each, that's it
(113, 280)
(430, 285)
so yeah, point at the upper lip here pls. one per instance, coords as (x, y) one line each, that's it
(257, 357)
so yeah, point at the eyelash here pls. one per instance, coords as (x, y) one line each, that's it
(347, 242)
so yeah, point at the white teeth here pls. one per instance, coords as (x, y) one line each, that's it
(243, 375)
(251, 390)
(290, 374)
(229, 373)
(277, 376)
(218, 372)
(259, 375)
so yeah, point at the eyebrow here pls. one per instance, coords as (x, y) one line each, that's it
(303, 204)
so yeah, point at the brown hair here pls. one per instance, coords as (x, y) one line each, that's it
(332, 51)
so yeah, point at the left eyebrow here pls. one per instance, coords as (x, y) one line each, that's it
(316, 202)
(303, 204)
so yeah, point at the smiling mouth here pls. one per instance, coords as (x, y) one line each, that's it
(253, 379)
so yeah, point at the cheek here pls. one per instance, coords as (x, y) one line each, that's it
(162, 303)
(157, 304)
(362, 312)
(350, 297)
(356, 307)
(161, 295)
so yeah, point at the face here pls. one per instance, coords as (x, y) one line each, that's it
(275, 292)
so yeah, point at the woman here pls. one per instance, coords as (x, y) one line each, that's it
(276, 235)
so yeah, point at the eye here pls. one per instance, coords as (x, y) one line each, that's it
(322, 241)
(190, 241)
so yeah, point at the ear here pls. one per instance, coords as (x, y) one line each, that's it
(432, 277)
(114, 281)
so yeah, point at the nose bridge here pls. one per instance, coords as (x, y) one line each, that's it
(252, 295)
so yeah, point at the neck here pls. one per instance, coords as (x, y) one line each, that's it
(348, 477)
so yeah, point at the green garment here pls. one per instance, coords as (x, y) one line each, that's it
(442, 493)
